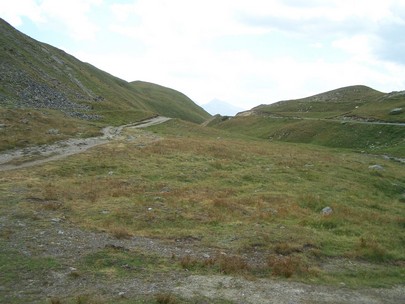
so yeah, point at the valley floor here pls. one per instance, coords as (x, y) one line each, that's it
(46, 257)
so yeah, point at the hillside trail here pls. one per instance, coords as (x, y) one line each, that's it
(36, 155)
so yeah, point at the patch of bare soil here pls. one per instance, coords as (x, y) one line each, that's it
(43, 234)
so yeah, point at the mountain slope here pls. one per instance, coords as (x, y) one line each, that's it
(350, 117)
(168, 102)
(37, 75)
(355, 101)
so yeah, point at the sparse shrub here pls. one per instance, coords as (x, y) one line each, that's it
(51, 205)
(286, 266)
(55, 301)
(188, 262)
(233, 264)
(49, 192)
(120, 232)
(6, 233)
(165, 298)
(371, 250)
(286, 249)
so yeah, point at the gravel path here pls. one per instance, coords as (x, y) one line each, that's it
(31, 156)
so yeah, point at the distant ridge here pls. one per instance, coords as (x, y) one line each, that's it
(355, 117)
(342, 99)
(357, 101)
(223, 108)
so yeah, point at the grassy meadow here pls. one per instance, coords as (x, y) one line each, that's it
(236, 195)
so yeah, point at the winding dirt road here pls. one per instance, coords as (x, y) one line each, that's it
(32, 156)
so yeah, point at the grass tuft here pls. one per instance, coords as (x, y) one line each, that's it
(165, 298)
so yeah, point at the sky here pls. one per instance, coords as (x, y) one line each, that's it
(244, 52)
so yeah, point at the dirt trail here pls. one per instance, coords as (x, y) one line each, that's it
(32, 156)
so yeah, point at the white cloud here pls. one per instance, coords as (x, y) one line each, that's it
(13, 11)
(73, 14)
(283, 49)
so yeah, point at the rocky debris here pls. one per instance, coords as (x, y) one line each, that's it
(376, 167)
(327, 211)
(396, 111)
(43, 92)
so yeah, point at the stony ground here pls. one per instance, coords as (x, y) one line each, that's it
(50, 236)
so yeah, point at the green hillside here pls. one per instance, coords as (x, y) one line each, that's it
(168, 101)
(356, 102)
(42, 80)
(354, 117)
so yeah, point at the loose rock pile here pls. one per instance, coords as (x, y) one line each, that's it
(32, 93)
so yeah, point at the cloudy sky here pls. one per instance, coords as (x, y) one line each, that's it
(245, 52)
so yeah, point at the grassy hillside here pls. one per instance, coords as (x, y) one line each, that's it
(38, 77)
(344, 118)
(359, 102)
(169, 102)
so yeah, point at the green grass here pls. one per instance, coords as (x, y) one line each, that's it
(236, 195)
(15, 266)
(31, 127)
(375, 139)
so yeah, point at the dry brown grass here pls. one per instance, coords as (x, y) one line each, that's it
(233, 265)
(165, 298)
(120, 232)
(286, 266)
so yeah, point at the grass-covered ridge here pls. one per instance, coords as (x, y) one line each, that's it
(357, 102)
(355, 117)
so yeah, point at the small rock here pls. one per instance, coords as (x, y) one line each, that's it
(206, 256)
(53, 131)
(105, 212)
(60, 232)
(121, 294)
(110, 173)
(327, 211)
(396, 111)
(2, 126)
(376, 167)
(56, 220)
(150, 209)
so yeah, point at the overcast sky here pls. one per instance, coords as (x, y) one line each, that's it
(245, 52)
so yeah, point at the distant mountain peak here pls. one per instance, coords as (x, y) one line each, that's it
(217, 106)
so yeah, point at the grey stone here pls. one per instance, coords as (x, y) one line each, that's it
(376, 167)
(396, 111)
(327, 211)
(53, 131)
